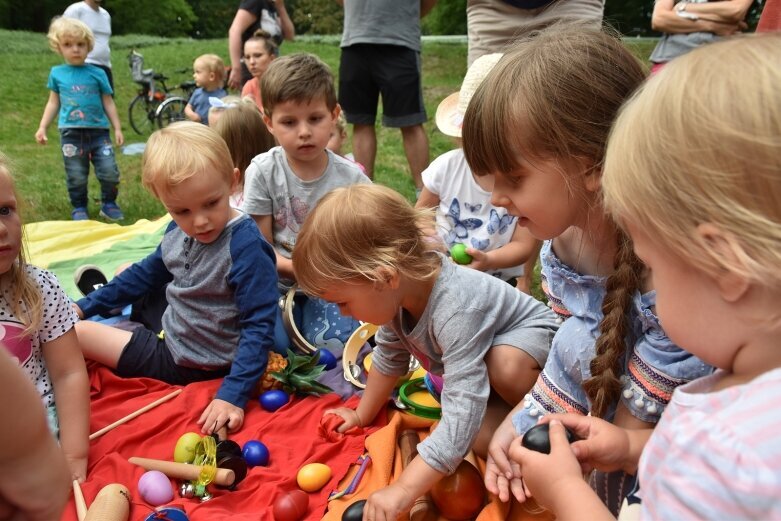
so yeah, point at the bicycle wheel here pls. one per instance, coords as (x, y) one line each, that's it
(170, 111)
(142, 114)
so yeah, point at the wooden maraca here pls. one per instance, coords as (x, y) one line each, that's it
(111, 504)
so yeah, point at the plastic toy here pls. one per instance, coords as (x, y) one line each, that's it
(416, 399)
(354, 512)
(184, 451)
(313, 476)
(167, 514)
(255, 453)
(538, 438)
(327, 359)
(460, 495)
(155, 488)
(291, 506)
(273, 399)
(458, 253)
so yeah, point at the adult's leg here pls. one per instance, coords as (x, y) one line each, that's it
(358, 97)
(402, 104)
(416, 149)
(365, 147)
(101, 343)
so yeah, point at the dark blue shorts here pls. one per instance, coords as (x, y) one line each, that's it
(147, 355)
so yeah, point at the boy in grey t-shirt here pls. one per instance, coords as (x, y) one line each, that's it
(282, 185)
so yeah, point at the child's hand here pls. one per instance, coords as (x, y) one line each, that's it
(40, 136)
(78, 468)
(480, 260)
(502, 475)
(350, 417)
(119, 138)
(602, 445)
(387, 503)
(220, 413)
(547, 477)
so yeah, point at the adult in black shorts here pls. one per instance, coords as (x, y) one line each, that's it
(381, 56)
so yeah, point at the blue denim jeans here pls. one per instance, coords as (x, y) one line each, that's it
(79, 147)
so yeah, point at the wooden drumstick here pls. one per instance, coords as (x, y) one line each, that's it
(423, 508)
(111, 504)
(78, 497)
(224, 477)
(132, 415)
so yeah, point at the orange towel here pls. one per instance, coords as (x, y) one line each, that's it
(386, 467)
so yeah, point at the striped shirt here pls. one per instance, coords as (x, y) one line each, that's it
(716, 455)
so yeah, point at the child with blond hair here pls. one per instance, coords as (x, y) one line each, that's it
(697, 186)
(36, 329)
(545, 149)
(209, 76)
(365, 249)
(219, 277)
(82, 96)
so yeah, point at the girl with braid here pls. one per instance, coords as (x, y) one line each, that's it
(539, 124)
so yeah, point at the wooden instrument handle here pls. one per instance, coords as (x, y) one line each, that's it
(224, 477)
(111, 504)
(423, 508)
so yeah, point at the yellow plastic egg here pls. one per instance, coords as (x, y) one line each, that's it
(184, 451)
(424, 398)
(313, 476)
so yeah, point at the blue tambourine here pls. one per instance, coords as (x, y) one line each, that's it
(168, 514)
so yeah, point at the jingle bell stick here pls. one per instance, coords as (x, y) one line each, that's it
(224, 477)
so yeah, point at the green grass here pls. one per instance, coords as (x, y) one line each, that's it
(39, 170)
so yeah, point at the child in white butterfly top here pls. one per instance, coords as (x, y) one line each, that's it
(463, 201)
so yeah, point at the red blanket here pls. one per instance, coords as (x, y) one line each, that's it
(291, 435)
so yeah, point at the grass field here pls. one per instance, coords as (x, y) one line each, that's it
(39, 171)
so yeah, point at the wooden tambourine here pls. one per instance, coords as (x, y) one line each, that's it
(287, 304)
(352, 370)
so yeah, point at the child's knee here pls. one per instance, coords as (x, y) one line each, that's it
(511, 371)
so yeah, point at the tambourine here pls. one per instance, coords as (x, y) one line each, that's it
(409, 397)
(352, 370)
(287, 304)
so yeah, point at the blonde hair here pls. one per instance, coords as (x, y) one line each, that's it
(361, 232)
(245, 133)
(300, 78)
(676, 161)
(556, 94)
(213, 64)
(25, 300)
(181, 151)
(61, 27)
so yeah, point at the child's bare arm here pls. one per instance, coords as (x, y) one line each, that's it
(35, 482)
(113, 116)
(427, 199)
(284, 265)
(415, 480)
(49, 112)
(68, 373)
(191, 114)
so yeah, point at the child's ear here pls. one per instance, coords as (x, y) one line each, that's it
(269, 123)
(389, 278)
(732, 285)
(593, 178)
(335, 113)
(235, 179)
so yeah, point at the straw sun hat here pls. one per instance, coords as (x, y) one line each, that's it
(450, 112)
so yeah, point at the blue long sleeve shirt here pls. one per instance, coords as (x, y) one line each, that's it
(222, 300)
